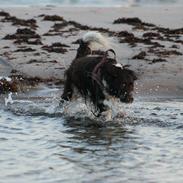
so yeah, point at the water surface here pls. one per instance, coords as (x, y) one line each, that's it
(42, 142)
(108, 3)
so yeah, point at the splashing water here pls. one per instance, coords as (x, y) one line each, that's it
(8, 100)
(47, 102)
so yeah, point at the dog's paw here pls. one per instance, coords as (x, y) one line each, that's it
(61, 103)
(106, 115)
(120, 115)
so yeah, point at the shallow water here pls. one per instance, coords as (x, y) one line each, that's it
(41, 141)
(107, 3)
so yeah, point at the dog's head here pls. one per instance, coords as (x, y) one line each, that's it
(119, 82)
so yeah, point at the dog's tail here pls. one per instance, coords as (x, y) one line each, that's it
(96, 40)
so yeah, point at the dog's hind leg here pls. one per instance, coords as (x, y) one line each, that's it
(102, 107)
(68, 89)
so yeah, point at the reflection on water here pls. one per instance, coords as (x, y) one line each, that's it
(93, 2)
(43, 145)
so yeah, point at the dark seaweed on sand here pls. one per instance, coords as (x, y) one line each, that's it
(56, 47)
(24, 36)
(32, 23)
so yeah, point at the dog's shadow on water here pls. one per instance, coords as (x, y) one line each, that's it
(96, 132)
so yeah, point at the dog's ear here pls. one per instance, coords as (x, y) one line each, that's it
(112, 70)
(133, 74)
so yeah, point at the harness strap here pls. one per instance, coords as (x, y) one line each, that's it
(96, 71)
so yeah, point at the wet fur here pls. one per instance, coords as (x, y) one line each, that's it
(79, 75)
(110, 78)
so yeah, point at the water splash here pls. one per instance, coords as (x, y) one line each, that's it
(52, 107)
(8, 100)
(47, 103)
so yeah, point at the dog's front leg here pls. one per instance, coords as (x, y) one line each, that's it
(102, 107)
(98, 100)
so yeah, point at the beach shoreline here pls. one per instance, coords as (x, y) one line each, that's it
(159, 70)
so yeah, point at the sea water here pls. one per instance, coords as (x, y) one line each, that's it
(108, 3)
(45, 141)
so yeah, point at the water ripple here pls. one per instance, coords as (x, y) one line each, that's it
(41, 142)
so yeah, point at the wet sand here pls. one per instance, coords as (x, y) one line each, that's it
(37, 44)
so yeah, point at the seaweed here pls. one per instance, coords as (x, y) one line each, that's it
(140, 55)
(132, 21)
(52, 18)
(32, 23)
(56, 47)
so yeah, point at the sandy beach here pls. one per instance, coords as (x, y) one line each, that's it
(34, 43)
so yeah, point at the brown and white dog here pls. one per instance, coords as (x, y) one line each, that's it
(96, 76)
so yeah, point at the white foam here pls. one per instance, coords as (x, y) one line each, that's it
(9, 99)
